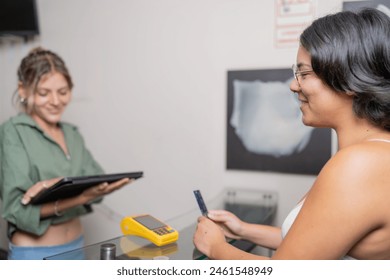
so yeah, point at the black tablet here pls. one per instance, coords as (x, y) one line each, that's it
(72, 186)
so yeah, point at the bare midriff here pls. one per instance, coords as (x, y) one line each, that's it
(55, 235)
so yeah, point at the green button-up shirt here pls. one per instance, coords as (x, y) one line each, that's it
(27, 156)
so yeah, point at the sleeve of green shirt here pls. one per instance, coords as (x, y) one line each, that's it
(15, 182)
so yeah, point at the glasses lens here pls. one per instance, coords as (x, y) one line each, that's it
(294, 69)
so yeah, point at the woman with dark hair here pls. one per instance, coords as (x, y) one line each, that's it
(342, 80)
(36, 149)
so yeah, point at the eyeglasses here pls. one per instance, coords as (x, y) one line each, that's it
(298, 73)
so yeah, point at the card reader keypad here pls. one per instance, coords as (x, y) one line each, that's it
(162, 231)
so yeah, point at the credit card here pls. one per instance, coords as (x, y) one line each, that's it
(202, 205)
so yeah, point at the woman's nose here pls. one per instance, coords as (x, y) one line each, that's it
(54, 99)
(294, 86)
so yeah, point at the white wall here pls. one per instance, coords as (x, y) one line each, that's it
(150, 94)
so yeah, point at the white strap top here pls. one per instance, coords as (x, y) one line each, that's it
(379, 140)
(291, 218)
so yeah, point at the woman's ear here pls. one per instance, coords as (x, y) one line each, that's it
(22, 91)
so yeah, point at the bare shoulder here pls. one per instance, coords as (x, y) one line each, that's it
(356, 178)
(361, 161)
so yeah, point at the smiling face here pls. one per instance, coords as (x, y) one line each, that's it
(48, 102)
(321, 106)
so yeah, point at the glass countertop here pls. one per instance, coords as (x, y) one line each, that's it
(129, 247)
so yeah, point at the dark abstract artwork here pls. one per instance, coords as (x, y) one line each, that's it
(264, 127)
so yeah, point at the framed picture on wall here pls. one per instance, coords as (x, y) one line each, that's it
(264, 126)
(382, 5)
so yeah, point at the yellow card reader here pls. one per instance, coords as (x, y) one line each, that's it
(150, 228)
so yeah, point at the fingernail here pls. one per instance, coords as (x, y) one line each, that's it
(24, 201)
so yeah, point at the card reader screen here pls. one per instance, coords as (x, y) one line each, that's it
(149, 222)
